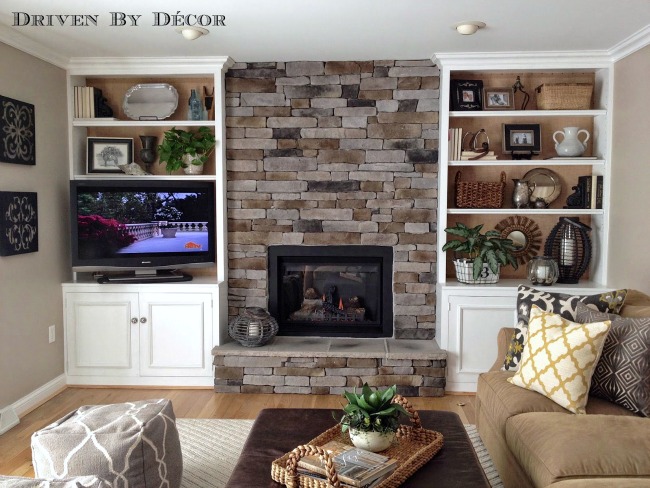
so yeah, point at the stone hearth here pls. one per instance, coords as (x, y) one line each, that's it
(323, 366)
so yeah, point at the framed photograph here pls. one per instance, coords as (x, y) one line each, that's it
(106, 154)
(522, 139)
(498, 99)
(466, 95)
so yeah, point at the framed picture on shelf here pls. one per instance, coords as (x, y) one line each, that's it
(466, 95)
(498, 99)
(106, 154)
(522, 139)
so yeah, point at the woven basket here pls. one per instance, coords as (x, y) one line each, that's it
(564, 96)
(480, 194)
(414, 447)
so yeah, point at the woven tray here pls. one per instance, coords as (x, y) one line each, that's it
(479, 194)
(414, 447)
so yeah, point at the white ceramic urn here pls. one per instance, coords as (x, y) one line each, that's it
(570, 146)
(192, 169)
(370, 440)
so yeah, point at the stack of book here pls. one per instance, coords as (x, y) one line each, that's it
(87, 100)
(591, 189)
(455, 144)
(356, 468)
(485, 156)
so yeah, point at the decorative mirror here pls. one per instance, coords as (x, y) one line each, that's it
(150, 101)
(525, 235)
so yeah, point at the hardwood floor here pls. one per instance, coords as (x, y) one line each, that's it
(15, 452)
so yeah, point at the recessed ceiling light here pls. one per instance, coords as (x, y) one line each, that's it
(469, 27)
(193, 32)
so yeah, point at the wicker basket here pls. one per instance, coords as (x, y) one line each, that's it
(480, 194)
(564, 96)
(414, 447)
(253, 327)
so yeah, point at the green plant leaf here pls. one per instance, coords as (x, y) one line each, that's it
(477, 267)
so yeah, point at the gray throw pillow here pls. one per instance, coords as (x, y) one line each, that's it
(622, 374)
(558, 303)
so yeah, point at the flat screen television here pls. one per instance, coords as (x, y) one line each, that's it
(143, 227)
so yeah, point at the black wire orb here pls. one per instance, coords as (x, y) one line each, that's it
(570, 246)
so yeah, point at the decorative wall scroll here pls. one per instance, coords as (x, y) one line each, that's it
(18, 223)
(17, 132)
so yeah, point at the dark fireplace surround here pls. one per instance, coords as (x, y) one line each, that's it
(331, 291)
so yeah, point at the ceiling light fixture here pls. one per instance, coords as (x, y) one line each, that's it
(470, 27)
(191, 33)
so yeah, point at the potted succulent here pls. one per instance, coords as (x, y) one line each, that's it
(485, 253)
(371, 417)
(186, 149)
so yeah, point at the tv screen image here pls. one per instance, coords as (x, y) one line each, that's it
(142, 224)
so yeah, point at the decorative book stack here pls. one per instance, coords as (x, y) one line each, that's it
(591, 189)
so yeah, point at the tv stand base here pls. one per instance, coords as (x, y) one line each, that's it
(162, 276)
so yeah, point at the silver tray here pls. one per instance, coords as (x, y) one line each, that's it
(547, 184)
(150, 101)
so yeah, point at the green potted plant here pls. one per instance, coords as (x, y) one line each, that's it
(371, 417)
(186, 149)
(485, 253)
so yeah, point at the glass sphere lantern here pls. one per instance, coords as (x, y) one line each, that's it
(253, 327)
(542, 270)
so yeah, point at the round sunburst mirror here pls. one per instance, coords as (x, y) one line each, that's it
(525, 235)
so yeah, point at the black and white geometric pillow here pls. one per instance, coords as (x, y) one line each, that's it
(622, 374)
(559, 303)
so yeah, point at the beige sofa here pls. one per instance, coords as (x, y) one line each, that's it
(534, 442)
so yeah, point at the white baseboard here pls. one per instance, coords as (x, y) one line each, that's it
(9, 416)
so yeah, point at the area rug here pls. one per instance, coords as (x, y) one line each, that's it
(211, 448)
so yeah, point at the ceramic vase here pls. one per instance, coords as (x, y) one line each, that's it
(148, 151)
(571, 146)
(370, 440)
(192, 169)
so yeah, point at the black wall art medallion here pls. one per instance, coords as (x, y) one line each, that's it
(18, 223)
(17, 132)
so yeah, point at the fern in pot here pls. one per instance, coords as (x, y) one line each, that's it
(371, 417)
(484, 253)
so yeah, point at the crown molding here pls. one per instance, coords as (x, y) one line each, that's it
(148, 65)
(632, 44)
(17, 40)
(569, 60)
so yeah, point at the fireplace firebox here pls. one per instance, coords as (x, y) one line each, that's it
(341, 291)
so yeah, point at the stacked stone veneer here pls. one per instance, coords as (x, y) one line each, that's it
(325, 153)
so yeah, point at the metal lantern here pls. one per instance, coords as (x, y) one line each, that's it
(569, 245)
(542, 270)
(253, 327)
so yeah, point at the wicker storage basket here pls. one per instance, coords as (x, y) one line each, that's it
(480, 194)
(414, 447)
(564, 96)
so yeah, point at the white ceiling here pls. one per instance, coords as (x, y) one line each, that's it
(285, 30)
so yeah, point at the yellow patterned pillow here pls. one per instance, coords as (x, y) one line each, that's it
(560, 357)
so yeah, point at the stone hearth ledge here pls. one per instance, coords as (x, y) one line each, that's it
(320, 365)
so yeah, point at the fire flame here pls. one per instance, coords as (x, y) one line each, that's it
(340, 304)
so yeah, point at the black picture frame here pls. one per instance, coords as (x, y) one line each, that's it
(17, 132)
(106, 154)
(466, 95)
(522, 139)
(18, 223)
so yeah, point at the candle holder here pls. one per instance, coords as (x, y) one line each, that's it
(253, 327)
(569, 245)
(542, 270)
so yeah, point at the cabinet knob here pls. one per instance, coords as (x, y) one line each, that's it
(134, 320)
(143, 320)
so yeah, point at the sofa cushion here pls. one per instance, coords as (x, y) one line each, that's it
(551, 447)
(78, 482)
(560, 358)
(560, 303)
(622, 375)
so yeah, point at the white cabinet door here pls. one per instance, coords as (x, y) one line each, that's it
(175, 334)
(102, 334)
(474, 322)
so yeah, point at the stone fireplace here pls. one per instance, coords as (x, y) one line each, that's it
(332, 291)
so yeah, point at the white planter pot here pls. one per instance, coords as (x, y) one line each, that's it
(371, 441)
(465, 273)
(192, 169)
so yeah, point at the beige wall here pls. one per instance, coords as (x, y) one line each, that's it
(30, 284)
(629, 259)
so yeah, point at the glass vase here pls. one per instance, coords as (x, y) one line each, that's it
(543, 270)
